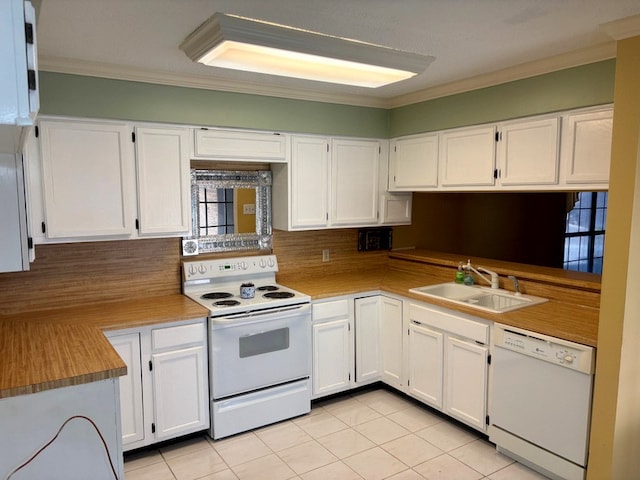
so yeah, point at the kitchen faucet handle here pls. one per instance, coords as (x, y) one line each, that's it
(516, 284)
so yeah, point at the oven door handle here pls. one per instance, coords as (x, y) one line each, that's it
(258, 313)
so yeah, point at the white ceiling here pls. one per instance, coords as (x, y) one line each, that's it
(475, 42)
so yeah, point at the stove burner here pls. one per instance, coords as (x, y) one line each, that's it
(278, 295)
(216, 295)
(226, 303)
(267, 288)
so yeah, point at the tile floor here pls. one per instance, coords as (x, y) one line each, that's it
(373, 434)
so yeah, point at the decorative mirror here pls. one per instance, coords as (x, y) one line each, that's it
(231, 210)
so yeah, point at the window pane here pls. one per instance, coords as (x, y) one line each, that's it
(598, 246)
(600, 219)
(602, 199)
(585, 221)
(584, 200)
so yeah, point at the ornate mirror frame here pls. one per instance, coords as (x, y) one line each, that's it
(260, 239)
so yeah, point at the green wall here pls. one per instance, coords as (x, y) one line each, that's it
(576, 87)
(80, 96)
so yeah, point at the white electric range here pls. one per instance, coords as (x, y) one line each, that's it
(259, 342)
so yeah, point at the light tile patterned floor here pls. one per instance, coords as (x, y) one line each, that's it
(371, 435)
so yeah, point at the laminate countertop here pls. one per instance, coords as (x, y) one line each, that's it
(570, 314)
(58, 348)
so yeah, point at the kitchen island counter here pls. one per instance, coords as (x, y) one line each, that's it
(49, 349)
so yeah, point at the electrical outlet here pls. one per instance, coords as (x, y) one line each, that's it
(249, 208)
(325, 255)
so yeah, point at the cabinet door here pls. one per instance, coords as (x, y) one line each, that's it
(413, 163)
(164, 187)
(528, 152)
(425, 364)
(180, 392)
(467, 157)
(13, 217)
(466, 382)
(586, 147)
(367, 313)
(391, 336)
(131, 410)
(309, 182)
(395, 208)
(331, 357)
(238, 145)
(354, 182)
(88, 179)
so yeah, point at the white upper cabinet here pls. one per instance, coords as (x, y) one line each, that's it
(309, 182)
(214, 144)
(467, 157)
(330, 183)
(413, 163)
(19, 99)
(99, 180)
(164, 187)
(528, 152)
(354, 182)
(586, 148)
(569, 151)
(88, 177)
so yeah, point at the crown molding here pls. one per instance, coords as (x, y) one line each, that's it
(576, 58)
(624, 28)
(134, 74)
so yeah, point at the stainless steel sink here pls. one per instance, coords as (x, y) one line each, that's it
(487, 299)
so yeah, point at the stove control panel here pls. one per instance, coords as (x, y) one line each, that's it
(229, 267)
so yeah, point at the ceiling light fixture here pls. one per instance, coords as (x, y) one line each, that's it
(239, 43)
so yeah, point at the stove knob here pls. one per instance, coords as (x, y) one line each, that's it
(202, 269)
(262, 263)
(271, 262)
(244, 265)
(193, 270)
(568, 359)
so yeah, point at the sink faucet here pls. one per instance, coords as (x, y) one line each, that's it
(494, 282)
(516, 284)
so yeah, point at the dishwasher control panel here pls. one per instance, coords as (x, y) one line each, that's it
(553, 350)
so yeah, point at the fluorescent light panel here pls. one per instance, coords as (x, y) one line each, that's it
(243, 44)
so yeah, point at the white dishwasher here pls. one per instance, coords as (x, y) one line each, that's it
(540, 401)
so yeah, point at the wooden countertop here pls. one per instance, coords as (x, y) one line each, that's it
(57, 348)
(570, 321)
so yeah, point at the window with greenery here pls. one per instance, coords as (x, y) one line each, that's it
(584, 233)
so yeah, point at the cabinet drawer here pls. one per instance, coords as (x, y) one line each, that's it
(239, 145)
(326, 310)
(171, 337)
(454, 324)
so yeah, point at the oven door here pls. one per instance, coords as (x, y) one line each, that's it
(259, 349)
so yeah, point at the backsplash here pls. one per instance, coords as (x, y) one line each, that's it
(73, 274)
(81, 273)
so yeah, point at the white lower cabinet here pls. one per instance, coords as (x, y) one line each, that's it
(356, 341)
(435, 355)
(367, 320)
(425, 364)
(332, 346)
(165, 393)
(466, 370)
(132, 423)
(448, 362)
(391, 341)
